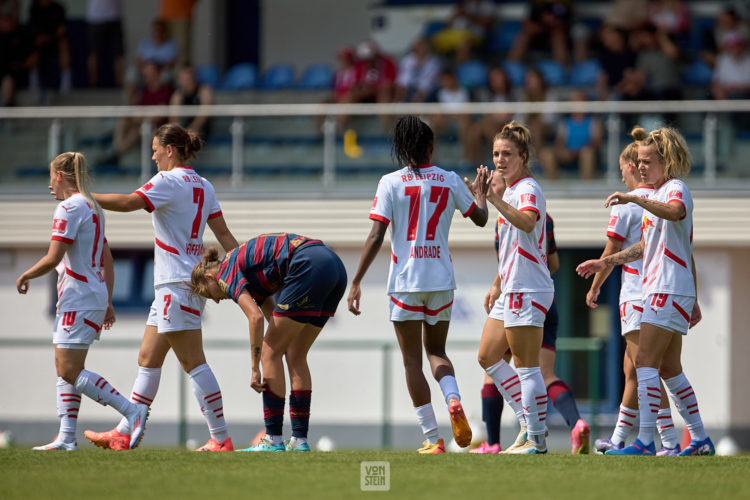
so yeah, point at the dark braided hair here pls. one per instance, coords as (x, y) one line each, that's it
(412, 141)
(185, 141)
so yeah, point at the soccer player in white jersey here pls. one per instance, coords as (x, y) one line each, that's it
(623, 231)
(80, 253)
(417, 203)
(181, 204)
(669, 288)
(522, 291)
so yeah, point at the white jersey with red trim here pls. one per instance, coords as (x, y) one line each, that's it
(180, 202)
(522, 256)
(668, 246)
(625, 226)
(80, 282)
(418, 205)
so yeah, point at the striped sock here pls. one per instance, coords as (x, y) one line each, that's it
(299, 412)
(684, 399)
(625, 423)
(68, 404)
(534, 398)
(649, 399)
(97, 388)
(507, 382)
(144, 391)
(665, 426)
(208, 394)
(273, 413)
(492, 411)
(562, 399)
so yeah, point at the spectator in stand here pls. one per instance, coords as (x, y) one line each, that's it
(615, 57)
(482, 132)
(542, 126)
(732, 74)
(466, 29)
(189, 92)
(178, 18)
(577, 142)
(346, 75)
(671, 17)
(104, 18)
(418, 74)
(727, 21)
(627, 15)
(153, 93)
(49, 28)
(450, 92)
(157, 48)
(548, 21)
(375, 77)
(16, 53)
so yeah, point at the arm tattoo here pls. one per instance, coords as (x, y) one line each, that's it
(256, 352)
(630, 254)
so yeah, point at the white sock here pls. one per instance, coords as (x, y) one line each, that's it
(507, 382)
(665, 426)
(428, 423)
(534, 399)
(649, 399)
(683, 397)
(296, 441)
(208, 394)
(97, 388)
(144, 391)
(68, 404)
(271, 439)
(449, 386)
(625, 423)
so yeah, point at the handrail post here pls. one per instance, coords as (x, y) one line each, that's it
(710, 127)
(329, 151)
(53, 141)
(613, 148)
(238, 150)
(146, 141)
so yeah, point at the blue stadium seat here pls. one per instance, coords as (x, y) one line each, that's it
(584, 73)
(241, 76)
(315, 77)
(552, 71)
(208, 74)
(516, 72)
(697, 73)
(277, 77)
(502, 35)
(431, 28)
(472, 74)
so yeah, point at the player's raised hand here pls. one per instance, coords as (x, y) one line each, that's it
(22, 285)
(618, 198)
(496, 187)
(479, 187)
(586, 269)
(355, 293)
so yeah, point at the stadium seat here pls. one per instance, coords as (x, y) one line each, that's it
(552, 71)
(315, 77)
(516, 72)
(241, 76)
(502, 36)
(697, 73)
(208, 74)
(472, 74)
(431, 28)
(277, 77)
(584, 73)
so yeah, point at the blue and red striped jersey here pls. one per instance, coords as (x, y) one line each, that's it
(260, 265)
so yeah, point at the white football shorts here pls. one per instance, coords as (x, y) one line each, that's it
(430, 307)
(175, 308)
(630, 316)
(522, 308)
(671, 312)
(77, 329)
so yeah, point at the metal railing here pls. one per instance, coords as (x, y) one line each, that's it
(611, 110)
(592, 346)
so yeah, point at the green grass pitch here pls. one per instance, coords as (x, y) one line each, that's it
(156, 473)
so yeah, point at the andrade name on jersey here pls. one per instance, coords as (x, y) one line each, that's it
(425, 252)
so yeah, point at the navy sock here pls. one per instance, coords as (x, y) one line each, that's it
(273, 412)
(492, 410)
(562, 399)
(299, 412)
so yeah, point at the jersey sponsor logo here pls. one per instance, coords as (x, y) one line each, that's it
(194, 248)
(612, 221)
(147, 186)
(425, 252)
(59, 225)
(675, 195)
(647, 223)
(423, 176)
(528, 198)
(501, 221)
